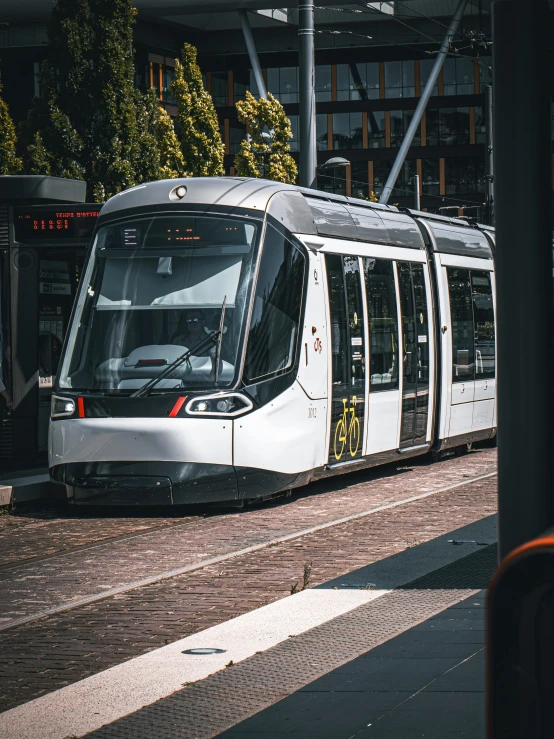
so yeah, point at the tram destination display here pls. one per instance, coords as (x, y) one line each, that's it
(48, 224)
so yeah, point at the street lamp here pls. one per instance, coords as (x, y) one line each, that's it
(334, 163)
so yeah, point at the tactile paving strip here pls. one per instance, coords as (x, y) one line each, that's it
(205, 709)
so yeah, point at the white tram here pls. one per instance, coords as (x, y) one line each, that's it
(236, 338)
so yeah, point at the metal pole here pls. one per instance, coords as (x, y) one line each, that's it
(254, 61)
(424, 99)
(417, 200)
(308, 155)
(490, 153)
(523, 264)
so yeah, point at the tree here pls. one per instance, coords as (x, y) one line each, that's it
(9, 162)
(90, 122)
(266, 152)
(161, 156)
(58, 119)
(113, 149)
(197, 122)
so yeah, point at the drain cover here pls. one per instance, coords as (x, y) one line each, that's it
(204, 650)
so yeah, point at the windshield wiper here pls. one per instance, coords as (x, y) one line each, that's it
(143, 391)
(219, 339)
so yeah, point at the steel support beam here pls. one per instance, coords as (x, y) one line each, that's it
(308, 154)
(424, 99)
(525, 324)
(254, 61)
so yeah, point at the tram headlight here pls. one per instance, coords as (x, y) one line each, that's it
(62, 407)
(233, 404)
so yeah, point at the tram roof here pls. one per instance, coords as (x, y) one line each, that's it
(306, 211)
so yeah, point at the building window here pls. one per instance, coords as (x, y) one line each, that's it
(347, 131)
(485, 71)
(220, 90)
(447, 126)
(294, 143)
(376, 129)
(322, 83)
(464, 175)
(399, 123)
(399, 79)
(381, 171)
(458, 76)
(237, 134)
(244, 80)
(168, 76)
(405, 184)
(282, 82)
(321, 133)
(431, 176)
(425, 67)
(480, 126)
(358, 81)
(360, 185)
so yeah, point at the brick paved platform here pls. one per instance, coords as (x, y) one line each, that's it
(389, 526)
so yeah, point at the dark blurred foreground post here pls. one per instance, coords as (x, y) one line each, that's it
(520, 609)
(525, 327)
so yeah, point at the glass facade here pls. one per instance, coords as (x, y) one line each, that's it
(465, 175)
(458, 76)
(347, 131)
(322, 83)
(295, 141)
(282, 82)
(220, 89)
(447, 126)
(480, 126)
(360, 186)
(399, 123)
(237, 134)
(425, 67)
(358, 81)
(321, 132)
(376, 129)
(430, 176)
(399, 79)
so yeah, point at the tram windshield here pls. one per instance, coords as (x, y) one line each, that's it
(153, 289)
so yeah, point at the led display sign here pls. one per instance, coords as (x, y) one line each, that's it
(50, 224)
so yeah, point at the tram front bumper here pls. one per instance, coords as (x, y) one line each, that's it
(146, 483)
(143, 461)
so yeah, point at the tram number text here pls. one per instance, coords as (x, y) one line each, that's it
(312, 412)
(318, 346)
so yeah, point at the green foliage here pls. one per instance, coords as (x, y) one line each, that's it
(9, 162)
(90, 122)
(114, 148)
(265, 156)
(197, 122)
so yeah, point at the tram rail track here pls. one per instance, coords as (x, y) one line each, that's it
(207, 562)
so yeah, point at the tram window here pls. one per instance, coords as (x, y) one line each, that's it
(274, 327)
(339, 338)
(483, 317)
(463, 350)
(383, 324)
(154, 288)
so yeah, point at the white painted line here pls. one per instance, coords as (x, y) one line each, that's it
(230, 555)
(100, 699)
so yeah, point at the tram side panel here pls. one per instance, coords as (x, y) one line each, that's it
(466, 300)
(278, 445)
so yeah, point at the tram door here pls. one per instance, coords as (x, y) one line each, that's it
(415, 338)
(347, 358)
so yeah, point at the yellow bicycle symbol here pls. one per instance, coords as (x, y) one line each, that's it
(352, 431)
